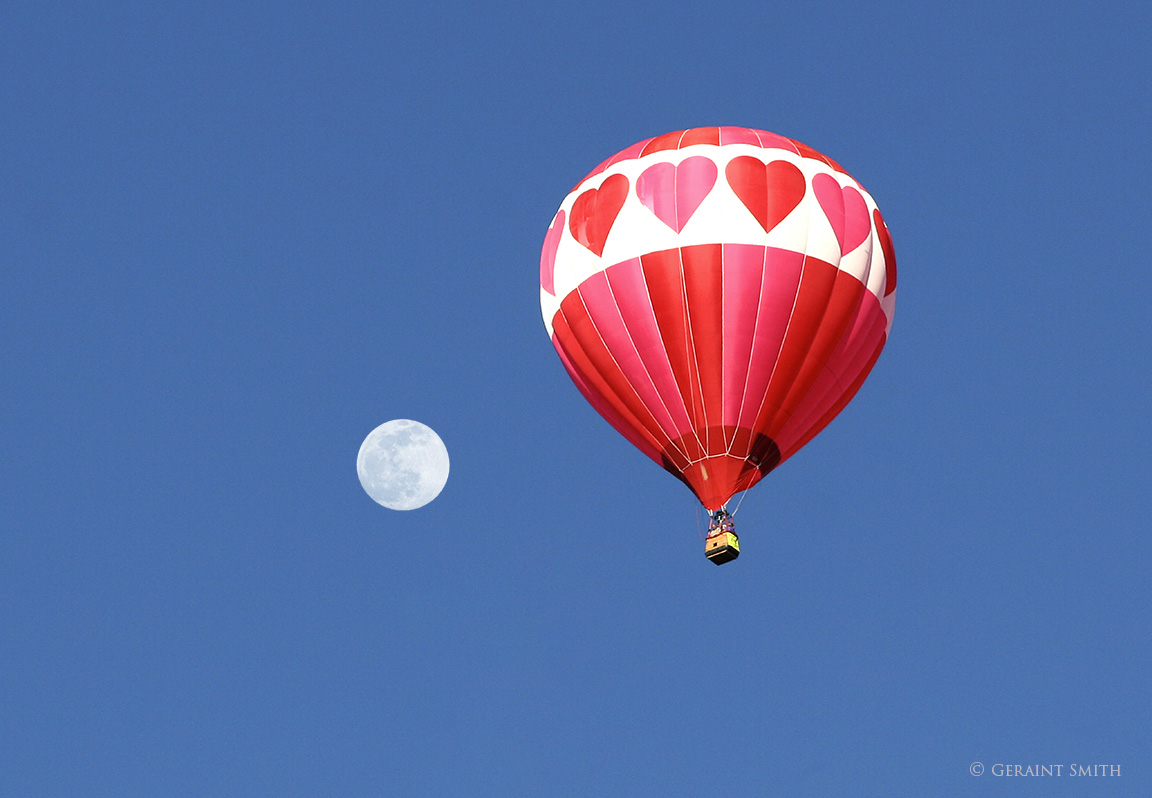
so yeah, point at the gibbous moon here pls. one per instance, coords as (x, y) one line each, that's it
(402, 464)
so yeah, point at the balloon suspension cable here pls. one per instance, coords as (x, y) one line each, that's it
(704, 530)
(743, 493)
(719, 520)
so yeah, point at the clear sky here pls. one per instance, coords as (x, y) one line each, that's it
(236, 237)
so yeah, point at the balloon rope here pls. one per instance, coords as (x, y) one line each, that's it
(743, 493)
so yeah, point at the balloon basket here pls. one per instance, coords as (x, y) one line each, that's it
(721, 548)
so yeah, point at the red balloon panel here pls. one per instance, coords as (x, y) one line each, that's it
(719, 361)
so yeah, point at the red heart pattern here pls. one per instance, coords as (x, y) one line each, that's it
(548, 254)
(770, 191)
(674, 191)
(845, 209)
(594, 212)
(889, 252)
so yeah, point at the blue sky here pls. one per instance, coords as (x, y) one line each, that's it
(235, 238)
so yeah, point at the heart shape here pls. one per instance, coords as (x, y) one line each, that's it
(889, 252)
(548, 253)
(770, 191)
(594, 212)
(845, 209)
(674, 191)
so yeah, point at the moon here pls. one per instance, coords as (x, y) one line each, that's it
(402, 464)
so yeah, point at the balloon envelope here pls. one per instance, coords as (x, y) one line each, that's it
(718, 295)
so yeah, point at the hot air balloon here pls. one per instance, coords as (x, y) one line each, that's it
(718, 295)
